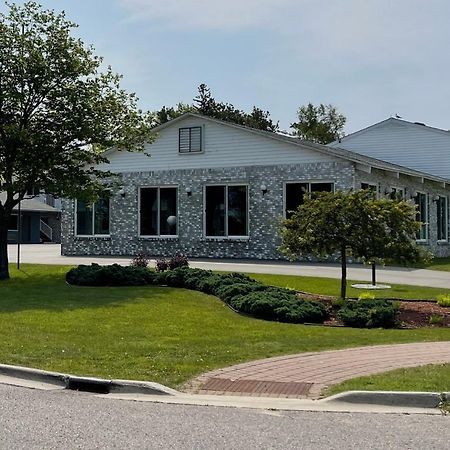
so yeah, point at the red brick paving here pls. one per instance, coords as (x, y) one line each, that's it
(307, 374)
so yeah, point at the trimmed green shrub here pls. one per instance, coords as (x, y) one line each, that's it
(369, 314)
(277, 304)
(113, 275)
(230, 292)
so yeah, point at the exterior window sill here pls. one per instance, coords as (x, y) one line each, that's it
(157, 238)
(422, 242)
(227, 238)
(443, 242)
(192, 153)
(93, 237)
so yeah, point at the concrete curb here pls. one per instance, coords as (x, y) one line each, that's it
(87, 384)
(353, 399)
(388, 398)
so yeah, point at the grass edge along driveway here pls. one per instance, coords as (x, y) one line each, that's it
(158, 334)
(428, 378)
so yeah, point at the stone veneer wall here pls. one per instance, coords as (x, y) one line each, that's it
(265, 212)
(386, 181)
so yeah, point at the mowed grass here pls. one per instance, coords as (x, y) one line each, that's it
(152, 333)
(430, 378)
(439, 264)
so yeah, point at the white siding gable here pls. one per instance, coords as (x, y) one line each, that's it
(223, 146)
(410, 145)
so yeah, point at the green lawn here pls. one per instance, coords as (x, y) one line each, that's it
(431, 378)
(153, 333)
(439, 264)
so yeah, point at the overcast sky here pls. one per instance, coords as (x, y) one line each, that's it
(370, 58)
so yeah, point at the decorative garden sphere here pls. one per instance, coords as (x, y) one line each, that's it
(172, 220)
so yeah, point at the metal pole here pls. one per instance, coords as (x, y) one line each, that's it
(374, 279)
(19, 232)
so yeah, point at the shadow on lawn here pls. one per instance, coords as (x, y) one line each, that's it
(49, 291)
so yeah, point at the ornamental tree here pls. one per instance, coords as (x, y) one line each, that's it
(353, 223)
(60, 108)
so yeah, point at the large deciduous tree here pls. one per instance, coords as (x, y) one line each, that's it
(59, 109)
(353, 223)
(320, 124)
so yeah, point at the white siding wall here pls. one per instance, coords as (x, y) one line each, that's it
(223, 146)
(409, 145)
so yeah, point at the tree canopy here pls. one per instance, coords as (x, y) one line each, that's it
(204, 103)
(320, 124)
(353, 223)
(59, 109)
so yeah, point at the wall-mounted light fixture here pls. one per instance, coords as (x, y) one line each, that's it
(188, 191)
(264, 189)
(122, 193)
(413, 194)
(436, 198)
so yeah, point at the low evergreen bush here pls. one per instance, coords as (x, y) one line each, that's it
(369, 314)
(113, 275)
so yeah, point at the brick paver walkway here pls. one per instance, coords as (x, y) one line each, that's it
(307, 374)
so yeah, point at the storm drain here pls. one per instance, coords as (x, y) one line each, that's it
(94, 386)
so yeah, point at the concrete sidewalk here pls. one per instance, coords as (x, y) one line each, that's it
(51, 254)
(305, 375)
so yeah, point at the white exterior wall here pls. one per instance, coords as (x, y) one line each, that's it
(409, 145)
(223, 146)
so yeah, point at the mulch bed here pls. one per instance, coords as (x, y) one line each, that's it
(412, 313)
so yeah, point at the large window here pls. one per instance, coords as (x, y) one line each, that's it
(158, 211)
(93, 220)
(294, 193)
(421, 201)
(190, 140)
(226, 211)
(442, 218)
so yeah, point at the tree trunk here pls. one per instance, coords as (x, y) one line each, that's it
(4, 268)
(374, 274)
(344, 273)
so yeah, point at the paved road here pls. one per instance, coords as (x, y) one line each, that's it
(307, 374)
(32, 419)
(50, 254)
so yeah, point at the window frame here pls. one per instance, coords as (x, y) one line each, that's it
(309, 183)
(190, 152)
(93, 235)
(426, 223)
(226, 236)
(158, 236)
(446, 211)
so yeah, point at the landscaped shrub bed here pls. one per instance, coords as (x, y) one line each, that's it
(239, 291)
